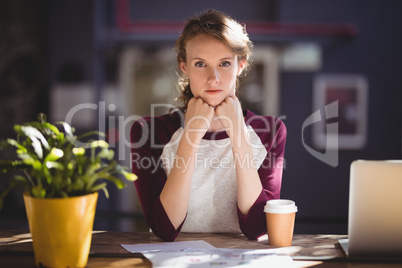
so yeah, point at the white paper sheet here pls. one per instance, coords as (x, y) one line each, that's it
(202, 254)
(223, 257)
(167, 246)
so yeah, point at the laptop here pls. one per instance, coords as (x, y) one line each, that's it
(375, 210)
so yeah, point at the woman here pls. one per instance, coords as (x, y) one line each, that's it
(213, 169)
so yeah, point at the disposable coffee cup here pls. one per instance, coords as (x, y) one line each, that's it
(280, 215)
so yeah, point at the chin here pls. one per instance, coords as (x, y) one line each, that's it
(214, 104)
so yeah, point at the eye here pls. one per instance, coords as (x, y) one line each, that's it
(225, 64)
(199, 64)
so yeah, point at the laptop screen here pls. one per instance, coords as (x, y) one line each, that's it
(375, 208)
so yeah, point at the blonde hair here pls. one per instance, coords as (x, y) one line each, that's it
(217, 25)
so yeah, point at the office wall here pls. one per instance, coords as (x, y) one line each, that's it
(321, 190)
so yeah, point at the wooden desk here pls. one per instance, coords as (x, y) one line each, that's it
(307, 250)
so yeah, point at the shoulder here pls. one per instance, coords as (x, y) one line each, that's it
(269, 129)
(174, 120)
(269, 123)
(164, 125)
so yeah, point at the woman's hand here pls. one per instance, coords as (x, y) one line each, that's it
(197, 119)
(230, 114)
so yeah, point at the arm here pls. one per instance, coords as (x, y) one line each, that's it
(253, 186)
(253, 224)
(249, 185)
(165, 199)
(151, 178)
(176, 192)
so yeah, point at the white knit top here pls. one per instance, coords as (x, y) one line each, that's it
(213, 199)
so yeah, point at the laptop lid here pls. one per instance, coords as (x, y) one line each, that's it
(375, 209)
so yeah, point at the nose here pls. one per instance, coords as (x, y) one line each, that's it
(213, 76)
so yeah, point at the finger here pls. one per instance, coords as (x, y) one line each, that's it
(227, 101)
(192, 101)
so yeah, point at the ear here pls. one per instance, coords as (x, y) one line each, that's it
(183, 67)
(241, 66)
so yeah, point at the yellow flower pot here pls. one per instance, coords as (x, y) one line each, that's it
(61, 229)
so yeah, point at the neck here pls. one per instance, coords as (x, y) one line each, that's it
(216, 125)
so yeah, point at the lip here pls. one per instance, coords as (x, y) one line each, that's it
(213, 91)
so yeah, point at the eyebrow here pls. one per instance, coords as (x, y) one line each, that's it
(225, 58)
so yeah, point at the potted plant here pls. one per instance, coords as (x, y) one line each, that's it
(61, 176)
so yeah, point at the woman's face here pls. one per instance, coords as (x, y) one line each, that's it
(211, 68)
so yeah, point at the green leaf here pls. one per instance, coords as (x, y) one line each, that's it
(129, 176)
(6, 166)
(54, 154)
(106, 192)
(42, 118)
(38, 191)
(36, 137)
(67, 128)
(106, 154)
(119, 183)
(55, 165)
(79, 151)
(33, 133)
(17, 145)
(77, 186)
(98, 187)
(45, 127)
(92, 168)
(99, 143)
(33, 163)
(52, 128)
(21, 179)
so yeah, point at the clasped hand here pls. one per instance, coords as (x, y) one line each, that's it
(201, 117)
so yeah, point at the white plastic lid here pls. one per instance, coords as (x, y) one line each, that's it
(280, 206)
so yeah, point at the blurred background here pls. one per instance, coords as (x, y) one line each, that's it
(101, 64)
